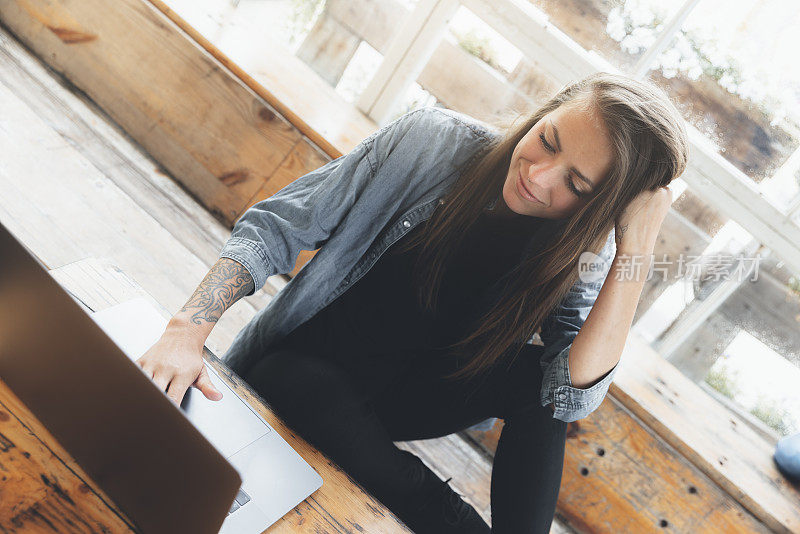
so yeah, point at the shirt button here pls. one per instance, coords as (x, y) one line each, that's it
(406, 223)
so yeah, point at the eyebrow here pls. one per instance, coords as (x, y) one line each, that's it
(573, 169)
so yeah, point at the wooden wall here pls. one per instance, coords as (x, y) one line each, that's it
(228, 145)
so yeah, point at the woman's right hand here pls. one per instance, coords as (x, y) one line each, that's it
(175, 363)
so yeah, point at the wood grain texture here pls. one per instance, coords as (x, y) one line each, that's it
(88, 130)
(317, 111)
(66, 209)
(208, 123)
(707, 435)
(621, 477)
(676, 460)
(42, 489)
(205, 126)
(772, 501)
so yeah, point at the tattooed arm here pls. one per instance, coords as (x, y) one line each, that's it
(175, 362)
(225, 283)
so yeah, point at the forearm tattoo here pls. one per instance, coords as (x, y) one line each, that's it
(224, 284)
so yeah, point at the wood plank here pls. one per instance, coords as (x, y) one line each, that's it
(42, 489)
(65, 209)
(717, 442)
(160, 86)
(317, 111)
(85, 127)
(641, 429)
(619, 476)
(79, 121)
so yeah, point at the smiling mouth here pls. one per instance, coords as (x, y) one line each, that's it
(525, 192)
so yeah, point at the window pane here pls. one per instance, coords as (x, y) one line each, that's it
(783, 186)
(698, 212)
(748, 348)
(753, 345)
(619, 30)
(477, 71)
(744, 99)
(480, 73)
(230, 22)
(689, 264)
(359, 71)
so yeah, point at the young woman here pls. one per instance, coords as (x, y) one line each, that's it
(444, 246)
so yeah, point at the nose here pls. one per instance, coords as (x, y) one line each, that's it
(544, 176)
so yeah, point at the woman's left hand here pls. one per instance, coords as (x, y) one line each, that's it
(637, 228)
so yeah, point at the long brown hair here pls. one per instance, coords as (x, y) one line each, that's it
(650, 149)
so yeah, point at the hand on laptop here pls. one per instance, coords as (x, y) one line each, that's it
(175, 363)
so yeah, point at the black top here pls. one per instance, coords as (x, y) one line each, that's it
(380, 311)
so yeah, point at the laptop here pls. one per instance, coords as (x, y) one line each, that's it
(208, 466)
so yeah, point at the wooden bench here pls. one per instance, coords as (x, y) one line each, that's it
(661, 453)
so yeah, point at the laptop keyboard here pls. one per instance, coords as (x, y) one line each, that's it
(242, 498)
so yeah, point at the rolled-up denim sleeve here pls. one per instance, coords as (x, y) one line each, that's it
(558, 332)
(270, 234)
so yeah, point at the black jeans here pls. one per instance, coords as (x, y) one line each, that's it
(353, 409)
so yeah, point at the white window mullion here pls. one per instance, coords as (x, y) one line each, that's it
(785, 173)
(680, 331)
(645, 63)
(408, 53)
(540, 42)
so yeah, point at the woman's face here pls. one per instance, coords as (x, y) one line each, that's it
(558, 165)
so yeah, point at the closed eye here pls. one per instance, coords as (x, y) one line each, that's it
(570, 184)
(547, 146)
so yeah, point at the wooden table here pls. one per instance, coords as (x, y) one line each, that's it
(42, 489)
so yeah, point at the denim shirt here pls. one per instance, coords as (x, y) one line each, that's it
(353, 209)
